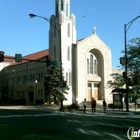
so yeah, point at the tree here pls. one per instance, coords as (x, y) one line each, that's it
(133, 55)
(133, 67)
(53, 85)
(116, 82)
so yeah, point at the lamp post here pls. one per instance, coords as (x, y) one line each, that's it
(53, 24)
(35, 92)
(126, 61)
(59, 30)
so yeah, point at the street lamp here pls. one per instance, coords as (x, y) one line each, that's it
(59, 30)
(53, 24)
(35, 92)
(126, 78)
(50, 21)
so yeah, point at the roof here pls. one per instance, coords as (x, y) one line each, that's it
(8, 58)
(33, 56)
(122, 90)
(37, 55)
(81, 39)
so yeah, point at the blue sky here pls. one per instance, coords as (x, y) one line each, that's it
(21, 34)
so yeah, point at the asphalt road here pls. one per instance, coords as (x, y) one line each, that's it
(51, 124)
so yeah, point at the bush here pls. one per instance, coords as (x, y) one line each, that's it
(73, 106)
(110, 105)
(39, 102)
(21, 101)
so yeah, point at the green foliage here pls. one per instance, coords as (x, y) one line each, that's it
(53, 85)
(73, 106)
(21, 101)
(39, 102)
(133, 55)
(116, 82)
(133, 68)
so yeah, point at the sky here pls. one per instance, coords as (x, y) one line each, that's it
(21, 34)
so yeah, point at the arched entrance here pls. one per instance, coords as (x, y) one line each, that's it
(95, 75)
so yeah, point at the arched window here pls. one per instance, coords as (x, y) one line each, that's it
(91, 64)
(68, 53)
(68, 29)
(95, 67)
(87, 66)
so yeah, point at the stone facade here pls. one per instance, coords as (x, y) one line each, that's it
(93, 45)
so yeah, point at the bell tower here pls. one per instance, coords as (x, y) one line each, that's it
(62, 5)
(62, 36)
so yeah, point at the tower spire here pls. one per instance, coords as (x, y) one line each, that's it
(62, 5)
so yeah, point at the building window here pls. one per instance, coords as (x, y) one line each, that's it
(67, 9)
(24, 79)
(87, 66)
(32, 77)
(56, 10)
(18, 80)
(12, 81)
(68, 53)
(96, 85)
(61, 5)
(95, 67)
(91, 64)
(40, 77)
(69, 78)
(68, 29)
(89, 85)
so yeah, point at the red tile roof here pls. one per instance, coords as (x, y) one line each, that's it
(37, 55)
(9, 59)
(33, 56)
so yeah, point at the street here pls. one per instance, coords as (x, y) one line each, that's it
(45, 124)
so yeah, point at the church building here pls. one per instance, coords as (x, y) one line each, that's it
(86, 63)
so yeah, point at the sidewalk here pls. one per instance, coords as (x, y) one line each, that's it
(52, 108)
(32, 107)
(132, 111)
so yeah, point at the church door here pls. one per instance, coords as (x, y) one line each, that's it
(89, 92)
(96, 91)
